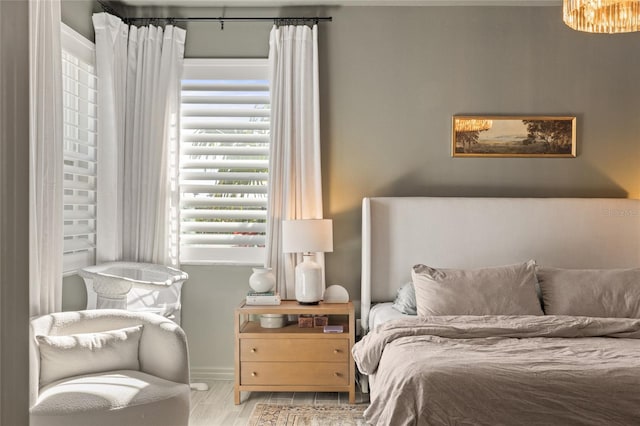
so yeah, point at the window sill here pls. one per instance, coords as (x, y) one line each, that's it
(219, 263)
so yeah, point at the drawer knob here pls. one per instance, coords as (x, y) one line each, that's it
(337, 374)
(254, 374)
(336, 351)
(253, 350)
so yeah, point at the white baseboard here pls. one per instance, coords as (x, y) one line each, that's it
(204, 374)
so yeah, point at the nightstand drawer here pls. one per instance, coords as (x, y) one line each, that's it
(294, 373)
(319, 350)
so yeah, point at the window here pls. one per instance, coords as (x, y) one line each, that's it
(79, 85)
(224, 161)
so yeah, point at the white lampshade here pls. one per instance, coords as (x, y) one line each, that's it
(307, 236)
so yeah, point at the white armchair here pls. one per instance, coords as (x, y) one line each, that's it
(94, 379)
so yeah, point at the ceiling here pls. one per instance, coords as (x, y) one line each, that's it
(279, 3)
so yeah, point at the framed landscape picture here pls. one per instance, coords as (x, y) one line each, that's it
(513, 136)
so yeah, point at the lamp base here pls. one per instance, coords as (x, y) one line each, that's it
(309, 288)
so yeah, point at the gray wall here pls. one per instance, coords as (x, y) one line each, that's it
(77, 15)
(14, 218)
(391, 78)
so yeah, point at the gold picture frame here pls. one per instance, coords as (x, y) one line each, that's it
(513, 136)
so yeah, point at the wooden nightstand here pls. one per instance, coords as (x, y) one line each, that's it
(294, 359)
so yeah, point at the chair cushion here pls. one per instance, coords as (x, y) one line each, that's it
(87, 353)
(123, 397)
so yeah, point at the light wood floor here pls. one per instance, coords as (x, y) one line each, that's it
(215, 406)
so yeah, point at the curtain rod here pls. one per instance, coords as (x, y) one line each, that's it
(276, 20)
(221, 19)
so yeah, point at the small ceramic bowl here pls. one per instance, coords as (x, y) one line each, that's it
(272, 320)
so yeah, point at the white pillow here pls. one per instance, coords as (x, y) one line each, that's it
(502, 290)
(86, 353)
(602, 293)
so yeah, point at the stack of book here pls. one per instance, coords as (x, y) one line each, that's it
(266, 298)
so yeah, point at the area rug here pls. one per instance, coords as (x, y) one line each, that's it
(307, 415)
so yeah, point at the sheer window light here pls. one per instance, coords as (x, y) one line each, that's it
(224, 161)
(79, 84)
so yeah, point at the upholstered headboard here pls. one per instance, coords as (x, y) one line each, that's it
(476, 232)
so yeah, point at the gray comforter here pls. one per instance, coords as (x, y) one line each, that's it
(503, 370)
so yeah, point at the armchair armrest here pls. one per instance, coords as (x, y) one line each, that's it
(163, 350)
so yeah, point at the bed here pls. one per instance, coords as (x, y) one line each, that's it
(481, 350)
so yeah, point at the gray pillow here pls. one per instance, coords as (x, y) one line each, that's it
(607, 293)
(502, 290)
(405, 301)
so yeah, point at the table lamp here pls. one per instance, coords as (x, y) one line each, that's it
(308, 236)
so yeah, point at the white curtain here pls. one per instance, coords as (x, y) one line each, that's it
(295, 180)
(139, 71)
(46, 158)
(111, 63)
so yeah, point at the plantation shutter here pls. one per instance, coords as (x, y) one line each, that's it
(79, 84)
(224, 162)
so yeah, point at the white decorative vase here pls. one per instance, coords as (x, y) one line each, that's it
(262, 280)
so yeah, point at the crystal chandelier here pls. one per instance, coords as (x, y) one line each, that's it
(602, 16)
(472, 125)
